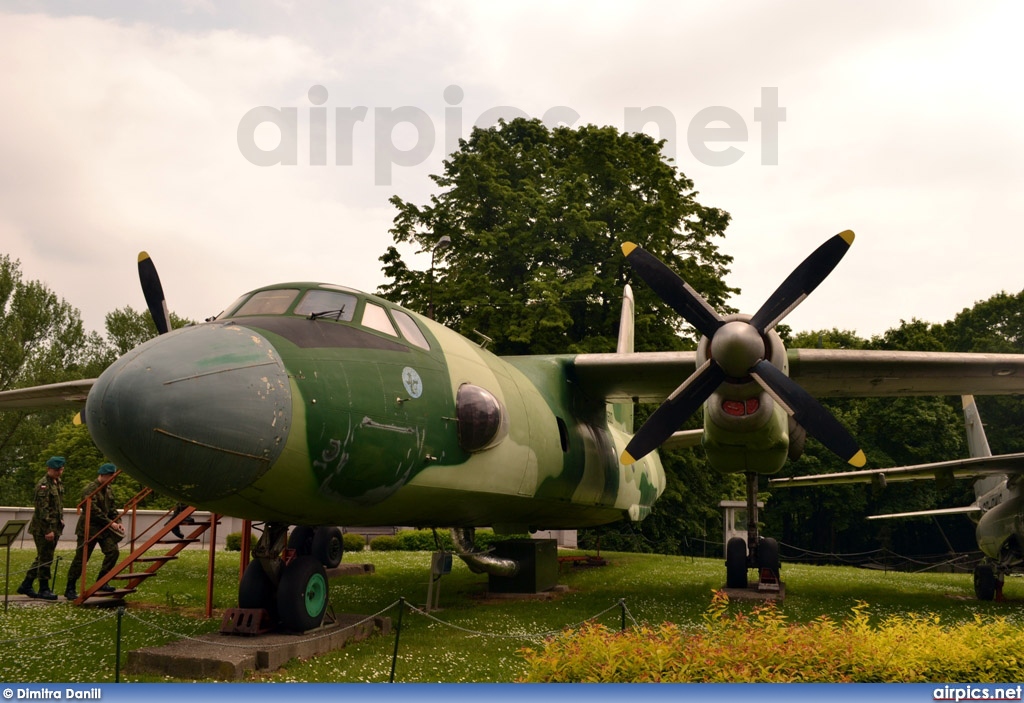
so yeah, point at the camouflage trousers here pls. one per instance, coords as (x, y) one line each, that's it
(108, 545)
(40, 568)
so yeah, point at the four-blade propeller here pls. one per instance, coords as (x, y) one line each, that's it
(737, 351)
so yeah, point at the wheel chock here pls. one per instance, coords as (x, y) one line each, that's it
(245, 621)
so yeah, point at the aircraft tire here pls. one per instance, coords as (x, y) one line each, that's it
(985, 582)
(301, 540)
(303, 594)
(736, 563)
(328, 546)
(768, 555)
(256, 590)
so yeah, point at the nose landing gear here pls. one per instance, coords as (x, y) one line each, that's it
(291, 587)
(755, 552)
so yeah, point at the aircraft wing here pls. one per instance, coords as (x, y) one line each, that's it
(973, 467)
(70, 394)
(824, 373)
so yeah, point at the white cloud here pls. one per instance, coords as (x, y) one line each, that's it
(120, 135)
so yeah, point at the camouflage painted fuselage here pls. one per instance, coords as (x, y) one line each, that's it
(280, 417)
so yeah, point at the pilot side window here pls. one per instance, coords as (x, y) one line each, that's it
(409, 329)
(327, 303)
(268, 302)
(376, 318)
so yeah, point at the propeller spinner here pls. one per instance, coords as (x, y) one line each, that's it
(737, 351)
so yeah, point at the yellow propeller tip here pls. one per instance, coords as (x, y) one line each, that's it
(858, 460)
(627, 248)
(77, 419)
(847, 236)
(627, 459)
(143, 256)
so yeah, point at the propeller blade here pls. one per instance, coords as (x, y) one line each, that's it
(804, 279)
(808, 412)
(676, 409)
(676, 292)
(154, 293)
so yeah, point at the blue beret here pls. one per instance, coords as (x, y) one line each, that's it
(107, 469)
(55, 462)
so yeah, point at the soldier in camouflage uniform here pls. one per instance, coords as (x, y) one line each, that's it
(46, 527)
(103, 530)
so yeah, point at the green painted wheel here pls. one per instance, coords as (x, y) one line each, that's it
(302, 594)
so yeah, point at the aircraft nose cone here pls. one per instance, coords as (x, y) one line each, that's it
(197, 414)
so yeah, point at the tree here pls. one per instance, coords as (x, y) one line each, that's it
(42, 340)
(127, 328)
(535, 218)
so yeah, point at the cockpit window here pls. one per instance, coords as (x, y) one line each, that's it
(376, 318)
(409, 329)
(327, 304)
(268, 302)
(230, 308)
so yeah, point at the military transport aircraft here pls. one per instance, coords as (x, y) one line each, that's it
(998, 507)
(315, 405)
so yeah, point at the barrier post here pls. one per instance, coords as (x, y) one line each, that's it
(398, 633)
(117, 650)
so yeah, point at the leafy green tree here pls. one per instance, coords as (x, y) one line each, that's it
(993, 325)
(42, 340)
(534, 219)
(127, 328)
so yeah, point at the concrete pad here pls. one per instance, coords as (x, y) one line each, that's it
(752, 594)
(229, 657)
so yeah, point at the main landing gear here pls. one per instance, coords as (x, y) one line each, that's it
(988, 581)
(290, 582)
(763, 552)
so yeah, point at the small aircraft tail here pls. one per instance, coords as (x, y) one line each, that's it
(622, 413)
(977, 445)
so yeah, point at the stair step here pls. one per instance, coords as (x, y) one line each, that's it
(118, 593)
(163, 557)
(134, 575)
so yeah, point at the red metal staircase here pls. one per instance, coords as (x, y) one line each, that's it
(124, 577)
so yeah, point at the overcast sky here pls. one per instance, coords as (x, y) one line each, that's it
(121, 126)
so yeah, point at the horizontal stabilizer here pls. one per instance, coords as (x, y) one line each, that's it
(966, 510)
(973, 467)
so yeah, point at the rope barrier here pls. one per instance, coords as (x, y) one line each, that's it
(105, 616)
(536, 636)
(311, 638)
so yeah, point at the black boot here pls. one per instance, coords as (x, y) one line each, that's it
(44, 590)
(25, 588)
(70, 593)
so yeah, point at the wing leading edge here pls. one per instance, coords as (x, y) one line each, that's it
(69, 394)
(824, 373)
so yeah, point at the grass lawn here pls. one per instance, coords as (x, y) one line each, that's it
(471, 638)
